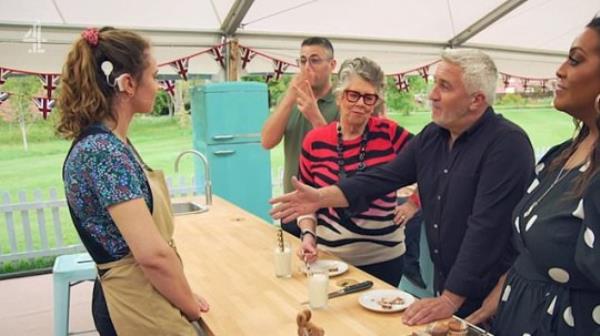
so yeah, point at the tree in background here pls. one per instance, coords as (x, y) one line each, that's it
(510, 99)
(396, 101)
(406, 102)
(19, 108)
(162, 104)
(276, 88)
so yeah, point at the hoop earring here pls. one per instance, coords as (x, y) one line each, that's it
(597, 104)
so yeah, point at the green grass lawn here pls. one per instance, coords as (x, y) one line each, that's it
(160, 139)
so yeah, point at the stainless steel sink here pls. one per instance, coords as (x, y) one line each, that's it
(188, 208)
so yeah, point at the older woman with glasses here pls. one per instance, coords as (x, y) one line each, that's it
(369, 240)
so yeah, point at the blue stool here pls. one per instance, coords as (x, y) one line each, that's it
(69, 270)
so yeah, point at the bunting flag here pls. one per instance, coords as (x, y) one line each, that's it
(3, 73)
(181, 66)
(551, 84)
(424, 72)
(543, 83)
(217, 52)
(279, 68)
(401, 82)
(4, 97)
(247, 55)
(169, 86)
(44, 104)
(505, 80)
(49, 81)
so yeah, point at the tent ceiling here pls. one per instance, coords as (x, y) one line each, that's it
(530, 41)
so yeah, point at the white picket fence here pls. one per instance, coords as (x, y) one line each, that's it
(26, 239)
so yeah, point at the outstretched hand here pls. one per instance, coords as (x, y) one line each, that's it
(303, 201)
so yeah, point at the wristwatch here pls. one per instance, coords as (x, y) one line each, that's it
(307, 232)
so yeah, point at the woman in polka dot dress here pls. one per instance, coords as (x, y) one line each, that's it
(554, 286)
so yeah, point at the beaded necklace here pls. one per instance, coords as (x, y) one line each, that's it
(362, 151)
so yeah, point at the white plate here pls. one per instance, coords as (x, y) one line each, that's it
(369, 300)
(340, 266)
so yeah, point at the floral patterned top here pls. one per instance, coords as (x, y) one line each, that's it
(101, 171)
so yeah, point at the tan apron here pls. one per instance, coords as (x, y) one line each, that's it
(134, 305)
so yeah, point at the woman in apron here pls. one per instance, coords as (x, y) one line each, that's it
(120, 207)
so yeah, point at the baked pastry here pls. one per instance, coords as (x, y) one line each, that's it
(457, 328)
(439, 329)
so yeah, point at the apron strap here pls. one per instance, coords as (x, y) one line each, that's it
(139, 157)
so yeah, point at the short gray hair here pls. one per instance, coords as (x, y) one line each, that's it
(479, 71)
(364, 68)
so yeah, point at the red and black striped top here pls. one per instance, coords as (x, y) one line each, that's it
(371, 236)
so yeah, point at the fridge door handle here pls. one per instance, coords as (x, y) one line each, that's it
(224, 152)
(223, 137)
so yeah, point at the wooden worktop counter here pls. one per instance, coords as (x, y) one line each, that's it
(228, 258)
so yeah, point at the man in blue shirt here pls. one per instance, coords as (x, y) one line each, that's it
(472, 167)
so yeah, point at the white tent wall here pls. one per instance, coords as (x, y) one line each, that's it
(401, 35)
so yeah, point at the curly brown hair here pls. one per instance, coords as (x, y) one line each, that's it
(86, 96)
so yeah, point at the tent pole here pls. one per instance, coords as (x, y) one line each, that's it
(481, 24)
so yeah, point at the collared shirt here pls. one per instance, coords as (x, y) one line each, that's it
(296, 130)
(468, 192)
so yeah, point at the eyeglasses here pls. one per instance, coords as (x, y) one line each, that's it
(313, 61)
(368, 98)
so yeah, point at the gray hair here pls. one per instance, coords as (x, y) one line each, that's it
(479, 71)
(365, 69)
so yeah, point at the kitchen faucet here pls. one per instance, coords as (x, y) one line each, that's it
(207, 183)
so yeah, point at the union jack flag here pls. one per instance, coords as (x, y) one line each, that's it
(169, 86)
(217, 52)
(543, 83)
(4, 97)
(3, 73)
(44, 104)
(401, 82)
(525, 82)
(424, 72)
(247, 56)
(505, 79)
(181, 66)
(50, 82)
(279, 68)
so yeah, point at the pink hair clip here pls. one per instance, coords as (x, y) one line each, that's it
(91, 35)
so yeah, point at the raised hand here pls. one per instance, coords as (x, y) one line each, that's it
(306, 100)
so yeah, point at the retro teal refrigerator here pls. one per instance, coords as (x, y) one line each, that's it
(227, 120)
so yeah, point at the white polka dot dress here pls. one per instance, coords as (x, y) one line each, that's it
(553, 287)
